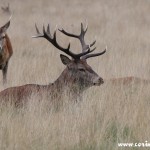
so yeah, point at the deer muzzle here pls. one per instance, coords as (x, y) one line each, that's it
(98, 82)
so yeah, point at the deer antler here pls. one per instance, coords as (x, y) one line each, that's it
(80, 37)
(82, 41)
(52, 39)
(94, 55)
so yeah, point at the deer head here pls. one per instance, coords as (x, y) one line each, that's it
(77, 71)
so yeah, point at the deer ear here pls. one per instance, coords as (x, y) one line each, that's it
(5, 27)
(65, 60)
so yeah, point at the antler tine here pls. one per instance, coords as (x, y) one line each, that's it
(93, 43)
(94, 55)
(48, 29)
(44, 32)
(38, 33)
(83, 31)
(37, 30)
(68, 34)
(85, 46)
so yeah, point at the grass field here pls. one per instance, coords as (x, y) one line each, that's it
(108, 114)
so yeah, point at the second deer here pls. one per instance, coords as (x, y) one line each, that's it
(6, 50)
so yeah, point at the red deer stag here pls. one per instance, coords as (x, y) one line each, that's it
(77, 77)
(6, 50)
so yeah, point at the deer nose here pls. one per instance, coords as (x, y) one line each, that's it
(99, 81)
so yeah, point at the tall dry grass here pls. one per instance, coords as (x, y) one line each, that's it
(108, 114)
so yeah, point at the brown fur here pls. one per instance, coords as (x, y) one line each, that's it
(5, 56)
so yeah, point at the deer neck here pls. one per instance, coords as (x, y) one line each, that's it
(66, 82)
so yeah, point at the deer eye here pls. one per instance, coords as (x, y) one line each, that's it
(81, 69)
